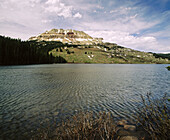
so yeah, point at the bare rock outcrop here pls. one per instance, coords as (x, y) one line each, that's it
(67, 36)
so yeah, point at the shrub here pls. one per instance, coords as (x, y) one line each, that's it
(87, 126)
(84, 126)
(61, 50)
(154, 117)
(68, 52)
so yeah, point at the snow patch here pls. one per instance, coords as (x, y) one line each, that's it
(81, 39)
(89, 57)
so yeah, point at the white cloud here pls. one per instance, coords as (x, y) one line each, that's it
(61, 9)
(46, 21)
(128, 24)
(134, 16)
(82, 5)
(113, 11)
(121, 10)
(19, 19)
(52, 1)
(143, 43)
(117, 20)
(58, 8)
(22, 19)
(100, 7)
(77, 15)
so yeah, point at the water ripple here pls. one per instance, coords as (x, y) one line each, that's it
(38, 95)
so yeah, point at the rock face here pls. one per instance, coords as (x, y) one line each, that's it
(68, 36)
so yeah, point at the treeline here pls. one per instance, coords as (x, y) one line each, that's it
(160, 55)
(17, 52)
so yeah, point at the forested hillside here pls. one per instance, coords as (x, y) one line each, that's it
(159, 55)
(17, 52)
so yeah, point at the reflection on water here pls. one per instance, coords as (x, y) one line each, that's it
(37, 95)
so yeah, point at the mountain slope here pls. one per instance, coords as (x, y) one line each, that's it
(79, 47)
(105, 53)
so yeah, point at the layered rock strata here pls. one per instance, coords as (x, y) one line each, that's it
(67, 36)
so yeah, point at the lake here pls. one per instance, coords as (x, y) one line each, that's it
(36, 96)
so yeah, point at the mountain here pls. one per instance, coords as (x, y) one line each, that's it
(68, 36)
(71, 46)
(78, 47)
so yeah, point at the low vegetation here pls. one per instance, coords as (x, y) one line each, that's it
(106, 53)
(84, 126)
(153, 115)
(168, 68)
(158, 55)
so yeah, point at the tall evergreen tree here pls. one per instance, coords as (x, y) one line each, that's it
(17, 52)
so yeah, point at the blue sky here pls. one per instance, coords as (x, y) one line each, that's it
(139, 24)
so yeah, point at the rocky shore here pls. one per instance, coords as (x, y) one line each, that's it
(129, 131)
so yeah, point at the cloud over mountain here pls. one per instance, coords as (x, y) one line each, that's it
(128, 23)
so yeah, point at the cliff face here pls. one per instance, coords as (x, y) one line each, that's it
(68, 36)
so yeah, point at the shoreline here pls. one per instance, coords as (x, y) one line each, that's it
(90, 63)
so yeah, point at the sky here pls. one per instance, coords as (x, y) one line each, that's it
(142, 25)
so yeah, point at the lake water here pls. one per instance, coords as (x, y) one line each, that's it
(35, 96)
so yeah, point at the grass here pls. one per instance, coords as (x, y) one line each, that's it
(95, 55)
(79, 55)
